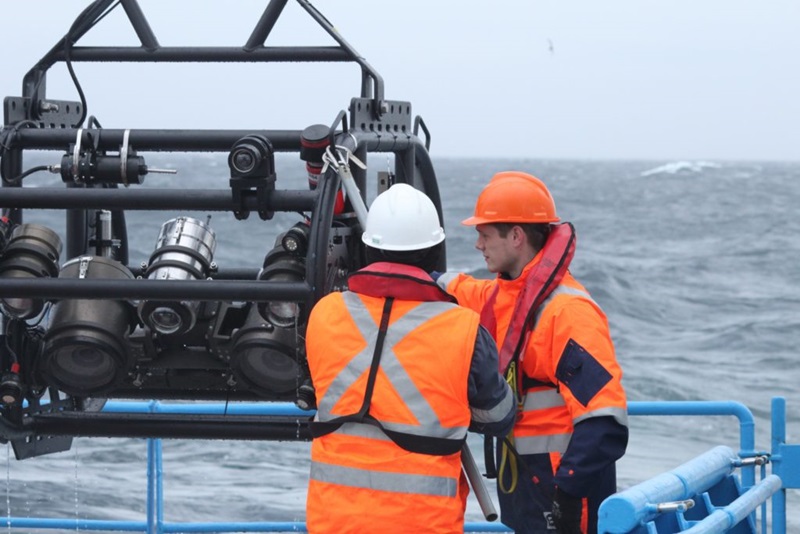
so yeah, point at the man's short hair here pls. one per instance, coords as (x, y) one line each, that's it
(536, 233)
(426, 259)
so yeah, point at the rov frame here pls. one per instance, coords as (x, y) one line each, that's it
(103, 174)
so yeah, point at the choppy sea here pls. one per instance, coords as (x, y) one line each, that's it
(696, 263)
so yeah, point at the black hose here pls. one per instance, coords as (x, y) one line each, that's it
(89, 11)
(30, 171)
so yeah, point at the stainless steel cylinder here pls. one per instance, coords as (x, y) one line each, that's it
(184, 250)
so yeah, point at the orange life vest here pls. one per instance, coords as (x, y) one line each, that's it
(361, 479)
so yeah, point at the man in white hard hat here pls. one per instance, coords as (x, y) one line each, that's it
(401, 374)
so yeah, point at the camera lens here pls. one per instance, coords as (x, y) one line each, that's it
(243, 160)
(267, 366)
(252, 157)
(166, 320)
(283, 313)
(83, 366)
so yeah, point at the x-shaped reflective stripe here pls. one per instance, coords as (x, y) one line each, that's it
(392, 368)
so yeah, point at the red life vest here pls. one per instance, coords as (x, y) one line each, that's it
(557, 254)
(404, 282)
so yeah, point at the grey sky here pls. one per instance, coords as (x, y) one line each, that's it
(644, 79)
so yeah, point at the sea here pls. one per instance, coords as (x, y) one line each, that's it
(696, 264)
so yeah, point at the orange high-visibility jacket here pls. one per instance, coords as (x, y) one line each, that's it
(361, 481)
(568, 322)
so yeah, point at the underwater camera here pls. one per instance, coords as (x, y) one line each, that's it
(252, 165)
(84, 351)
(124, 347)
(263, 353)
(252, 157)
(31, 251)
(184, 251)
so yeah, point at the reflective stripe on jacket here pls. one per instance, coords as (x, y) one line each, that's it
(360, 479)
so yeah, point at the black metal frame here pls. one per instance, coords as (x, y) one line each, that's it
(375, 125)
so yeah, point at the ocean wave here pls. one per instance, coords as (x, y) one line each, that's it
(682, 167)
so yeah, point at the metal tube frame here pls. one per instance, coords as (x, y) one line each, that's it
(34, 83)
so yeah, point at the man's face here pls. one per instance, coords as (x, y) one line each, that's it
(497, 251)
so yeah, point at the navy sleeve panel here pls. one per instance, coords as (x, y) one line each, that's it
(581, 372)
(596, 444)
(487, 389)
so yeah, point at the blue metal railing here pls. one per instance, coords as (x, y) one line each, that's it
(785, 460)
(747, 432)
(670, 495)
(677, 491)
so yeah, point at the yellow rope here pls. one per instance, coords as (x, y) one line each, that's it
(508, 460)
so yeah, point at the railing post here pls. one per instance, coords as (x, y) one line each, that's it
(778, 440)
(151, 482)
(155, 485)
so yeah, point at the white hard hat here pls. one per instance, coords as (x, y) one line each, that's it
(402, 218)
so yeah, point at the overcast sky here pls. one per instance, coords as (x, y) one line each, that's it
(634, 79)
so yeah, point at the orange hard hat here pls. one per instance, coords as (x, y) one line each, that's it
(514, 197)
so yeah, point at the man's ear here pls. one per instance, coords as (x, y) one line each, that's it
(518, 235)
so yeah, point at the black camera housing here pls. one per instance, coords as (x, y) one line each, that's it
(252, 164)
(252, 156)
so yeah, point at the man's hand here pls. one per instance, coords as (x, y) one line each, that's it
(567, 513)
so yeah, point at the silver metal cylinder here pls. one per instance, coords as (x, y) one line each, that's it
(103, 233)
(184, 250)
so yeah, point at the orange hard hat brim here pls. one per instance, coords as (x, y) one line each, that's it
(474, 221)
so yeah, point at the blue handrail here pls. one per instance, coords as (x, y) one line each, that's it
(637, 505)
(670, 495)
(155, 524)
(747, 437)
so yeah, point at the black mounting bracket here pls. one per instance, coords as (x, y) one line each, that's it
(51, 113)
(395, 118)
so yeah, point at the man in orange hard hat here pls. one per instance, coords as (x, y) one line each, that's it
(558, 464)
(401, 373)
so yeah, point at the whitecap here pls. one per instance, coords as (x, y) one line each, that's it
(682, 167)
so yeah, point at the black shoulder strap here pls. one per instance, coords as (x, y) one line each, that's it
(321, 428)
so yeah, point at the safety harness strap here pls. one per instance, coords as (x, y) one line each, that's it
(321, 428)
